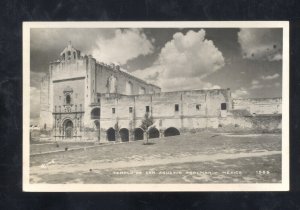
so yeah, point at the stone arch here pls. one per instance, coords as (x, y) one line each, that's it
(124, 134)
(153, 133)
(68, 128)
(138, 134)
(111, 134)
(95, 113)
(171, 132)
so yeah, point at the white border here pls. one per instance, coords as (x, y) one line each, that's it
(284, 186)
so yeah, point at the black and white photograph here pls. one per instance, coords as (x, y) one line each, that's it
(156, 106)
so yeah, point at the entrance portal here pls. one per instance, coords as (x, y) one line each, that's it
(153, 133)
(111, 136)
(172, 132)
(124, 133)
(68, 129)
(138, 134)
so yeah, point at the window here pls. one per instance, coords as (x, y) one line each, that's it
(147, 109)
(80, 107)
(59, 108)
(59, 97)
(68, 99)
(69, 53)
(176, 107)
(98, 100)
(75, 107)
(55, 108)
(223, 106)
(113, 110)
(198, 106)
(130, 109)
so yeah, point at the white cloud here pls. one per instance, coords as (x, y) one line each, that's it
(240, 93)
(255, 82)
(277, 84)
(123, 46)
(184, 62)
(261, 44)
(257, 86)
(270, 77)
(34, 103)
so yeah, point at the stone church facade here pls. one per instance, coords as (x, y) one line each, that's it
(83, 99)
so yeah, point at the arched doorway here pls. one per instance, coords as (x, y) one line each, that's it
(153, 133)
(95, 113)
(68, 128)
(171, 132)
(124, 134)
(138, 134)
(111, 135)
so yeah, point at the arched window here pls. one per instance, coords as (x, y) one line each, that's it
(68, 99)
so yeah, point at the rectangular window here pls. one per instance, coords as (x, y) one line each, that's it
(80, 107)
(147, 109)
(223, 106)
(198, 106)
(59, 97)
(113, 110)
(55, 108)
(98, 100)
(130, 109)
(176, 107)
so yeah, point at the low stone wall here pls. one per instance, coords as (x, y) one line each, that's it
(239, 124)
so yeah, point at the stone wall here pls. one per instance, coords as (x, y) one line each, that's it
(181, 109)
(103, 72)
(45, 113)
(259, 105)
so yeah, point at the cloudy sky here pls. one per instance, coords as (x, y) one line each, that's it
(248, 61)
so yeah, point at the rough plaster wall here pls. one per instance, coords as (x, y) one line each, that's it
(77, 96)
(259, 106)
(254, 123)
(163, 104)
(104, 72)
(191, 99)
(162, 107)
(141, 102)
(45, 112)
(66, 70)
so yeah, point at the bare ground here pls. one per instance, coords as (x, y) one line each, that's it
(201, 158)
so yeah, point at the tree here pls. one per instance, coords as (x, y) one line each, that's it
(146, 124)
(117, 129)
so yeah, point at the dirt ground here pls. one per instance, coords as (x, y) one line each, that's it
(198, 158)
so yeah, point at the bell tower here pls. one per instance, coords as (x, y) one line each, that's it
(69, 54)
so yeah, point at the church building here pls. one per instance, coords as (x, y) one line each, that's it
(84, 99)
